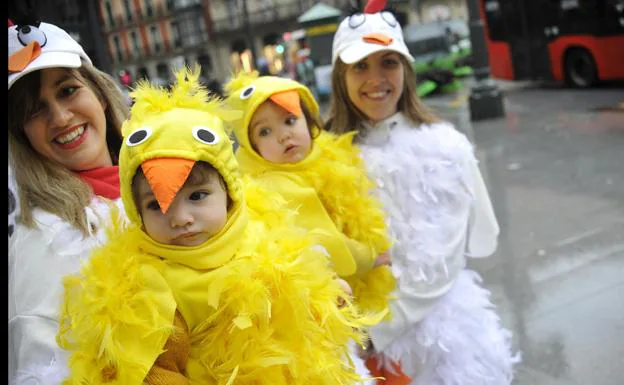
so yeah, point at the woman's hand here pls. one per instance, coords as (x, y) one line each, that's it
(367, 350)
(383, 259)
(347, 289)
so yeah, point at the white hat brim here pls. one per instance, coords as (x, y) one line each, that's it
(48, 60)
(362, 49)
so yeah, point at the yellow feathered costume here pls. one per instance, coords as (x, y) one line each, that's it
(259, 303)
(329, 189)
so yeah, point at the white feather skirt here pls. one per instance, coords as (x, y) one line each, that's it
(460, 342)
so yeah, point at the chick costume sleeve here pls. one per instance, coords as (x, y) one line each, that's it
(329, 189)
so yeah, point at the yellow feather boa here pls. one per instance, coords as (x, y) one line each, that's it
(269, 315)
(336, 172)
(117, 313)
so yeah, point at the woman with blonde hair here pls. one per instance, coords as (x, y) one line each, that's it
(64, 138)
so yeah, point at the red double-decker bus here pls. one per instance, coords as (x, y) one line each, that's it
(579, 42)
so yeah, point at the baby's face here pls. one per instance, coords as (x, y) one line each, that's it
(278, 135)
(197, 213)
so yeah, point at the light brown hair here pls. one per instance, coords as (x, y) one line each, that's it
(315, 124)
(344, 116)
(41, 182)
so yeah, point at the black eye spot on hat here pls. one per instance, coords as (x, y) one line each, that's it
(247, 92)
(139, 136)
(26, 34)
(205, 135)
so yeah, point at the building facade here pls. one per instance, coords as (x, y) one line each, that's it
(151, 38)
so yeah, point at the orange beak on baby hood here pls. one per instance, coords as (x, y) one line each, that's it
(166, 176)
(288, 100)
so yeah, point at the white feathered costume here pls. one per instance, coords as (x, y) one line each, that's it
(444, 330)
(39, 258)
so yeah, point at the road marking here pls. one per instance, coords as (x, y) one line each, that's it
(578, 237)
(557, 265)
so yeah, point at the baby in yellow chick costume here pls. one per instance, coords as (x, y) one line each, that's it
(209, 282)
(319, 174)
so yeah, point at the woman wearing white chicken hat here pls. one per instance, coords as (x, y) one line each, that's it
(64, 139)
(444, 330)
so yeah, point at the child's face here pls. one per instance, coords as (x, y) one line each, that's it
(375, 84)
(278, 135)
(197, 213)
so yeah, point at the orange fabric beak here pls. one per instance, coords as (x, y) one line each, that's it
(377, 38)
(20, 59)
(166, 176)
(288, 100)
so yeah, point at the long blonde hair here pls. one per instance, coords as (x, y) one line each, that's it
(344, 116)
(41, 182)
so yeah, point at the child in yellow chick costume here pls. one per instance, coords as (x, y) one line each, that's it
(244, 300)
(319, 174)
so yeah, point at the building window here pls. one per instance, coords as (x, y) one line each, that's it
(175, 34)
(149, 8)
(155, 38)
(135, 44)
(142, 74)
(128, 10)
(162, 72)
(170, 4)
(109, 14)
(118, 49)
(205, 62)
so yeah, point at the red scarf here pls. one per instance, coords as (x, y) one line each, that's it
(104, 181)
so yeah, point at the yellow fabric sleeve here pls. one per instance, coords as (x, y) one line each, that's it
(363, 255)
(313, 217)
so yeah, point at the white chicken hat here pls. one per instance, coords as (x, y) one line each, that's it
(363, 34)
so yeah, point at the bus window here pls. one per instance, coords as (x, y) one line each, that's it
(495, 20)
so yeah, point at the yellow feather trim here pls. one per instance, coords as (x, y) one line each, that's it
(373, 290)
(116, 316)
(276, 320)
(187, 92)
(355, 211)
(265, 206)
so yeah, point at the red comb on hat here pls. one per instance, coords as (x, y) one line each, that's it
(374, 6)
(10, 23)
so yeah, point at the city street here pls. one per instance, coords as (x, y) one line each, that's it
(553, 166)
(555, 169)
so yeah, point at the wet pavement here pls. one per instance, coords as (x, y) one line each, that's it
(554, 166)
